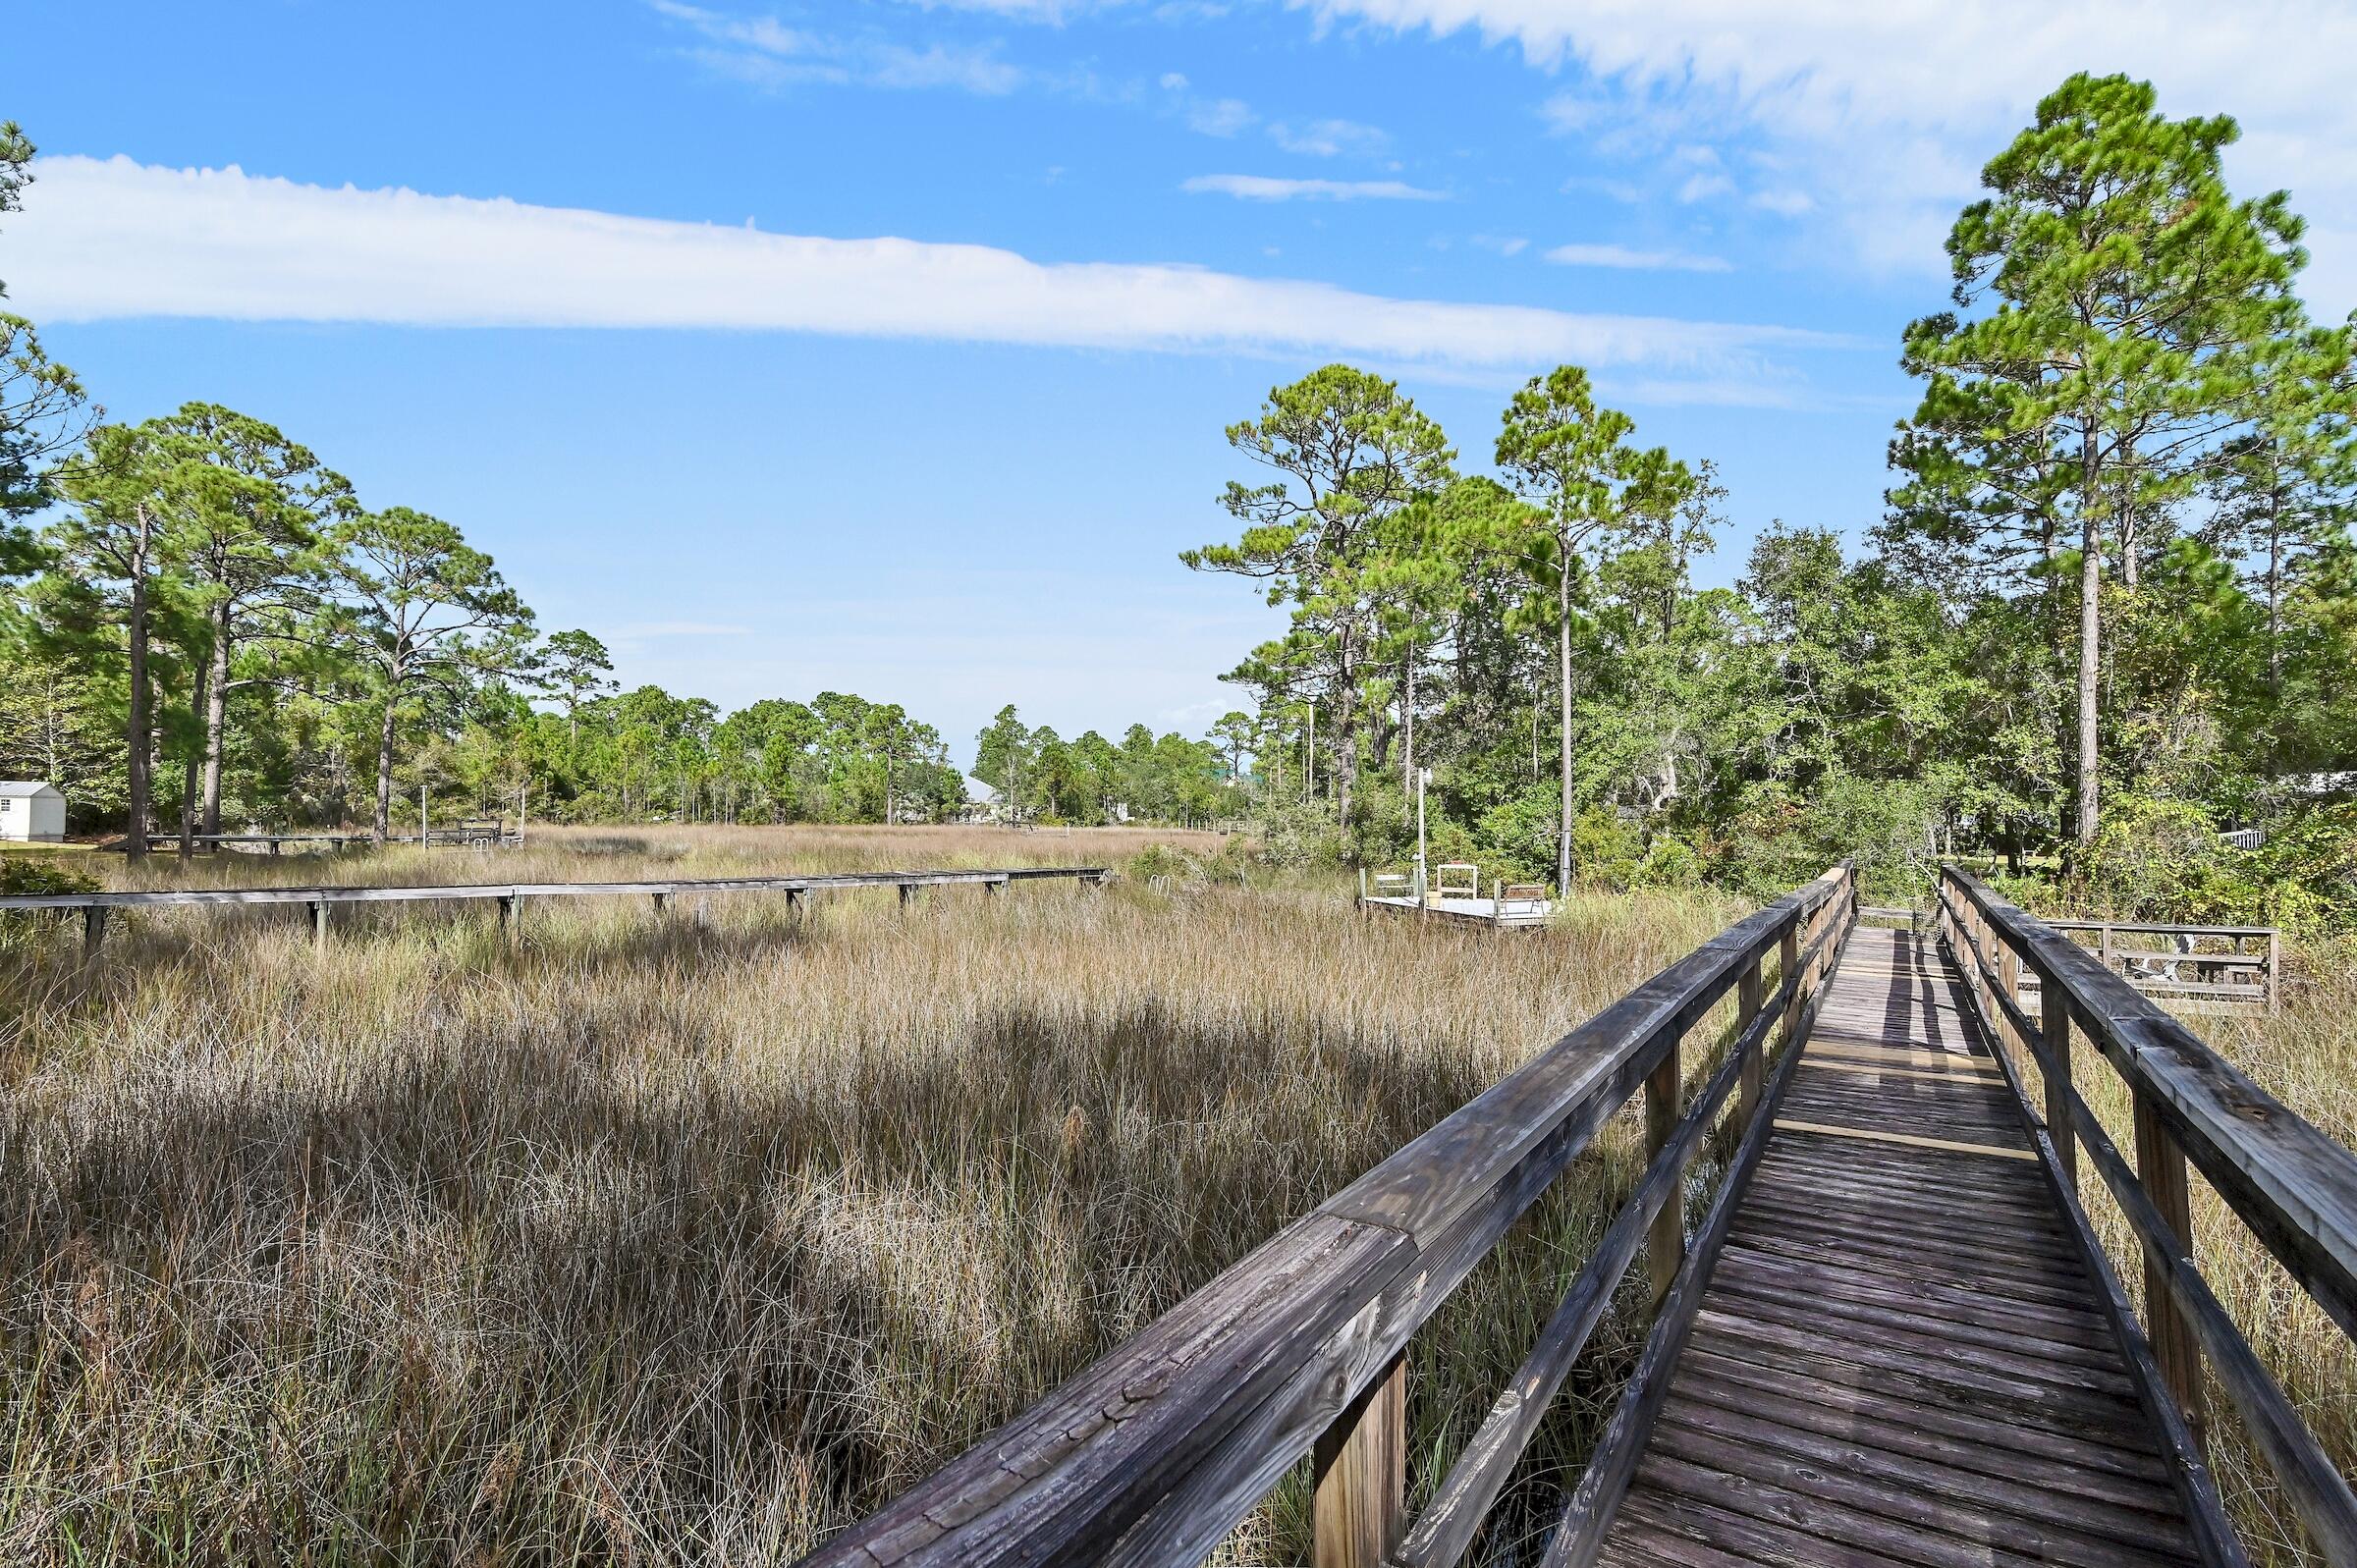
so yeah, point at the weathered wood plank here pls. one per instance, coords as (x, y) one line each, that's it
(2295, 1187)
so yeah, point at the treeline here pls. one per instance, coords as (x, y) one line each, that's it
(204, 628)
(2111, 607)
(1037, 776)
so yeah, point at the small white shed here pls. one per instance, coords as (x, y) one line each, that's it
(32, 812)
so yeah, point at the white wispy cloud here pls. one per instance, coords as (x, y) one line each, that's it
(1328, 138)
(1052, 11)
(1890, 110)
(767, 53)
(114, 238)
(647, 629)
(1268, 188)
(1218, 117)
(1608, 256)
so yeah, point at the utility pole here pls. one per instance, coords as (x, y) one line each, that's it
(1423, 777)
(1309, 771)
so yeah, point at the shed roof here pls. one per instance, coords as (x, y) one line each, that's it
(27, 787)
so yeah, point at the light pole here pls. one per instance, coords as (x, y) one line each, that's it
(1423, 777)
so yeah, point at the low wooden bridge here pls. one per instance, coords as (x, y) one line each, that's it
(510, 897)
(1889, 1337)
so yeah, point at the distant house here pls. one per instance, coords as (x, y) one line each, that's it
(32, 812)
(982, 802)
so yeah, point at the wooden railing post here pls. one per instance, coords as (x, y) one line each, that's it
(2008, 980)
(93, 932)
(1360, 1466)
(1751, 994)
(2053, 1031)
(2274, 973)
(1788, 965)
(2160, 1171)
(319, 925)
(1665, 1244)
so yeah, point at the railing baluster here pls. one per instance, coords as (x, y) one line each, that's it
(2054, 1032)
(1360, 1465)
(2008, 979)
(1666, 1247)
(2161, 1169)
(1751, 994)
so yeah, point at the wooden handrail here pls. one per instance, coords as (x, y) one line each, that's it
(427, 891)
(2293, 1187)
(1159, 1449)
(96, 906)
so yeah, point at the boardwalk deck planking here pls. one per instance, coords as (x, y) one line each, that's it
(1899, 1358)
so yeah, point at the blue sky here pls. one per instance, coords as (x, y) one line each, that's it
(886, 346)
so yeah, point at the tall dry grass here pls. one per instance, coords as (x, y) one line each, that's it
(650, 1243)
(2307, 1057)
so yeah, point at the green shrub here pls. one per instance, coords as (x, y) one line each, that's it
(41, 874)
(1605, 847)
(1515, 838)
(1669, 863)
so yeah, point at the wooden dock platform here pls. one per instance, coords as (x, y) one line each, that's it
(1505, 914)
(1900, 1356)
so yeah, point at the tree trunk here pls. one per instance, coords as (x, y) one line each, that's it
(2091, 626)
(187, 808)
(1563, 671)
(2274, 598)
(384, 769)
(1407, 740)
(197, 705)
(1345, 750)
(140, 721)
(216, 718)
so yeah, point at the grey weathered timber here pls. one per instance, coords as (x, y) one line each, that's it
(1155, 1452)
(2292, 1185)
(1899, 1246)
(1590, 1509)
(511, 896)
(166, 898)
(1462, 1503)
(1894, 1339)
(2187, 1324)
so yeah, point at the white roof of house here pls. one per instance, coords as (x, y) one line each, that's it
(25, 786)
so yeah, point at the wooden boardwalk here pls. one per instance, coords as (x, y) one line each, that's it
(1890, 1341)
(1899, 1357)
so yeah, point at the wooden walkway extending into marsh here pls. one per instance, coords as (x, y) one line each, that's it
(1901, 1355)
(1890, 1340)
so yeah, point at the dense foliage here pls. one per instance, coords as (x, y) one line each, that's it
(2109, 611)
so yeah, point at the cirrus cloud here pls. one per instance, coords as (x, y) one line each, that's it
(1268, 188)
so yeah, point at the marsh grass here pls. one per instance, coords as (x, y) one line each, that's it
(659, 1241)
(2307, 1057)
(651, 1242)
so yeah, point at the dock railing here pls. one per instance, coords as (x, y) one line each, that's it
(2293, 1187)
(1157, 1451)
(2233, 968)
(95, 907)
